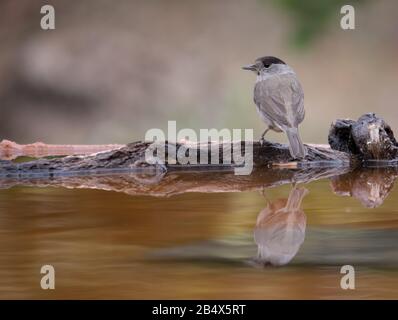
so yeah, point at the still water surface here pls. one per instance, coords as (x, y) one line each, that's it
(284, 242)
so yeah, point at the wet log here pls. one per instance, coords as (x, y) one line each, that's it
(10, 150)
(352, 142)
(369, 138)
(132, 158)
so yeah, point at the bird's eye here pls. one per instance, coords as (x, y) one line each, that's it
(266, 66)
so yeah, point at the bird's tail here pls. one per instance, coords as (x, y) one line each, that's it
(296, 147)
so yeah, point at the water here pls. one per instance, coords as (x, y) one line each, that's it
(196, 236)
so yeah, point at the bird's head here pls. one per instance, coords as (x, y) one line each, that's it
(263, 64)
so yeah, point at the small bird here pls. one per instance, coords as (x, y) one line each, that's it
(279, 98)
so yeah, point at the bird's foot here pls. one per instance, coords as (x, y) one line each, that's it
(295, 159)
(263, 193)
(262, 141)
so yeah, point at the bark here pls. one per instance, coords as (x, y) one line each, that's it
(352, 142)
(369, 138)
(10, 150)
(131, 158)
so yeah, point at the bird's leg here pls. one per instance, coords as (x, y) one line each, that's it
(265, 195)
(262, 140)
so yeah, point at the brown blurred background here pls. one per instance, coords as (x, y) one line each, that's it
(113, 69)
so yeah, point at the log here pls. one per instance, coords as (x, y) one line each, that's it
(353, 143)
(369, 138)
(10, 150)
(131, 158)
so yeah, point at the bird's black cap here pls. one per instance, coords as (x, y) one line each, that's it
(268, 60)
(263, 62)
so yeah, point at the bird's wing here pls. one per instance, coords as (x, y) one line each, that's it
(281, 98)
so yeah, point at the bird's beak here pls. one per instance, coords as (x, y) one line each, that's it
(250, 67)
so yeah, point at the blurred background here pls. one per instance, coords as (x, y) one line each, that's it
(112, 70)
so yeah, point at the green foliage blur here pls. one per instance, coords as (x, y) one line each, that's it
(310, 17)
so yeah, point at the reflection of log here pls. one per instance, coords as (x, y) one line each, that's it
(370, 186)
(160, 184)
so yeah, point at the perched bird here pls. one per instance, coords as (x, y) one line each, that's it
(280, 100)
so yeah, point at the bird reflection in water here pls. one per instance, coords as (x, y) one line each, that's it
(280, 229)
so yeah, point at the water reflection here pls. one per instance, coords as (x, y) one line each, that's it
(280, 229)
(371, 186)
(110, 245)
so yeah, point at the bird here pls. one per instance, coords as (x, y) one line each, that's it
(279, 98)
